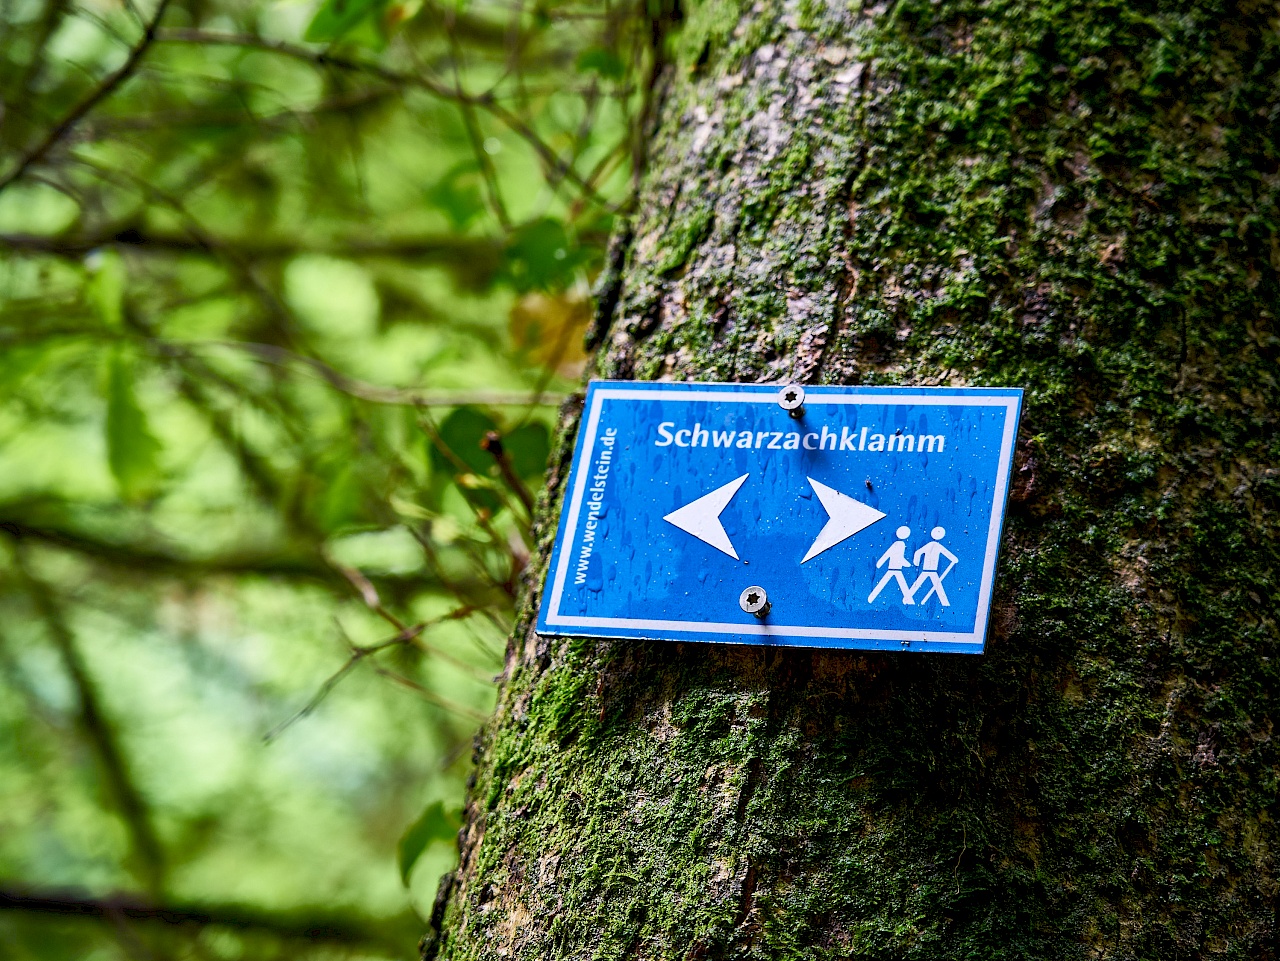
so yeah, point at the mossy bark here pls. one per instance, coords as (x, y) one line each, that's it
(1076, 198)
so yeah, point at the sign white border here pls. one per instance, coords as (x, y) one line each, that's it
(562, 624)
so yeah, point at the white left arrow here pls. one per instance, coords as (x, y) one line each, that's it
(847, 517)
(701, 518)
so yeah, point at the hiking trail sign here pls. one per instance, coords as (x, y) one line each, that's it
(844, 517)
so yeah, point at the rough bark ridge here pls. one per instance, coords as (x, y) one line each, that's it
(1077, 198)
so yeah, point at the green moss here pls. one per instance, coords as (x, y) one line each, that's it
(707, 26)
(682, 236)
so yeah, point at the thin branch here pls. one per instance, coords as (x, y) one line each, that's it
(254, 465)
(107, 27)
(301, 926)
(139, 560)
(405, 635)
(604, 166)
(109, 126)
(376, 393)
(493, 444)
(478, 31)
(469, 251)
(557, 168)
(481, 514)
(97, 728)
(99, 94)
(320, 58)
(553, 163)
(153, 559)
(462, 467)
(325, 689)
(431, 697)
(474, 134)
(446, 580)
(513, 572)
(232, 257)
(53, 15)
(582, 135)
(369, 594)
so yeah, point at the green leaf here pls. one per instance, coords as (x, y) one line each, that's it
(105, 289)
(433, 825)
(336, 17)
(36, 208)
(462, 432)
(601, 61)
(131, 448)
(341, 501)
(528, 447)
(540, 255)
(458, 195)
(335, 298)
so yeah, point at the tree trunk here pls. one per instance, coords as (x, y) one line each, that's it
(1075, 198)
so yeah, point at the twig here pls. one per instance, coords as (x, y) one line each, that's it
(471, 252)
(410, 397)
(485, 101)
(53, 14)
(604, 166)
(155, 559)
(234, 259)
(405, 635)
(555, 165)
(461, 466)
(62, 902)
(434, 650)
(474, 134)
(430, 696)
(554, 359)
(100, 93)
(486, 524)
(456, 588)
(298, 52)
(358, 654)
(97, 728)
(108, 126)
(493, 444)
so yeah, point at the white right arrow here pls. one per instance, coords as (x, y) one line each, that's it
(848, 516)
(701, 518)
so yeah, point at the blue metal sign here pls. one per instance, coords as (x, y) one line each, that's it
(850, 517)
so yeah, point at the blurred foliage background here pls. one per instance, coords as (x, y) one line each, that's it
(288, 293)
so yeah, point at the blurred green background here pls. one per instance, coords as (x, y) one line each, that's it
(275, 275)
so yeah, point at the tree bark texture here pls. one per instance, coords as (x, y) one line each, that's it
(1076, 198)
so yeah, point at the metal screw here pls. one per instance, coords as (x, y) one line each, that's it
(791, 399)
(754, 601)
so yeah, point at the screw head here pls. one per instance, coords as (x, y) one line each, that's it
(791, 397)
(754, 601)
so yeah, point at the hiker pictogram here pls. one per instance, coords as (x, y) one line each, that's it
(931, 552)
(896, 557)
(926, 558)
